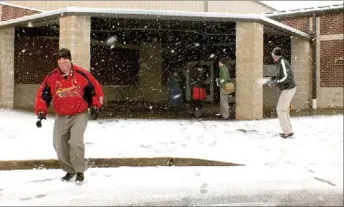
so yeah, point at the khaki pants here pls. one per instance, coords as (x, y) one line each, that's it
(224, 106)
(283, 110)
(68, 140)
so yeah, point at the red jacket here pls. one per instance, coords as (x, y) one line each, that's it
(68, 93)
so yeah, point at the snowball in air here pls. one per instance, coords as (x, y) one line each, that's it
(111, 40)
(263, 81)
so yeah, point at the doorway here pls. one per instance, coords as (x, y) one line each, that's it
(208, 67)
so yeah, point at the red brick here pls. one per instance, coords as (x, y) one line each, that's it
(331, 23)
(9, 12)
(300, 23)
(331, 74)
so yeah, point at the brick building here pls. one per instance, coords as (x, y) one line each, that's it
(27, 45)
(327, 26)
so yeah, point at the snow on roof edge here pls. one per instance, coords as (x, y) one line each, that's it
(285, 27)
(109, 11)
(303, 11)
(158, 13)
(21, 7)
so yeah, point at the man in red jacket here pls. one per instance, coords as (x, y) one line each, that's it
(72, 90)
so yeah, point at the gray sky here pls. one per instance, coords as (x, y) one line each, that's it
(286, 5)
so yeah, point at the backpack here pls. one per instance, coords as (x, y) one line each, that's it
(199, 93)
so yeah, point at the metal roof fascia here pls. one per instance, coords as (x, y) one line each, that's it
(153, 14)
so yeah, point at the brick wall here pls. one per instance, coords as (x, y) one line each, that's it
(9, 12)
(33, 59)
(301, 63)
(331, 74)
(75, 34)
(6, 67)
(249, 67)
(300, 23)
(331, 23)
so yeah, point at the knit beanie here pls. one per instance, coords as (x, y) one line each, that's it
(277, 51)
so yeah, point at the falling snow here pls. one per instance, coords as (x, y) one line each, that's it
(126, 57)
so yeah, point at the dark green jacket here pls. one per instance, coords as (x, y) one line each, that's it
(285, 76)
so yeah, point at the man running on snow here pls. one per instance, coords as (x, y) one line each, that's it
(72, 90)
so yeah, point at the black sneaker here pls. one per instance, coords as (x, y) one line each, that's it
(79, 177)
(285, 136)
(68, 177)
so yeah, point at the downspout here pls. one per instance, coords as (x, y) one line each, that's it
(314, 54)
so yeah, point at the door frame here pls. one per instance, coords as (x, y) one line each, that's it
(210, 81)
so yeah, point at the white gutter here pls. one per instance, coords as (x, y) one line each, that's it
(153, 14)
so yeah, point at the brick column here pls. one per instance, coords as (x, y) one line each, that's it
(301, 63)
(7, 67)
(249, 68)
(0, 12)
(75, 35)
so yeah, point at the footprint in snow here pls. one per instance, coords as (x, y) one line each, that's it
(204, 188)
(25, 199)
(36, 196)
(145, 146)
(246, 130)
(41, 181)
(40, 195)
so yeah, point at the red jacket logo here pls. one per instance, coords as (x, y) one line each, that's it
(67, 92)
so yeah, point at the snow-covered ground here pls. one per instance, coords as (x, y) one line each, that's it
(169, 185)
(312, 160)
(317, 140)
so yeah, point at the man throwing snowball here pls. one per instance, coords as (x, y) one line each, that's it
(286, 82)
(73, 90)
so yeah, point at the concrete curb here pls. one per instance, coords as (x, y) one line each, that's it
(114, 162)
